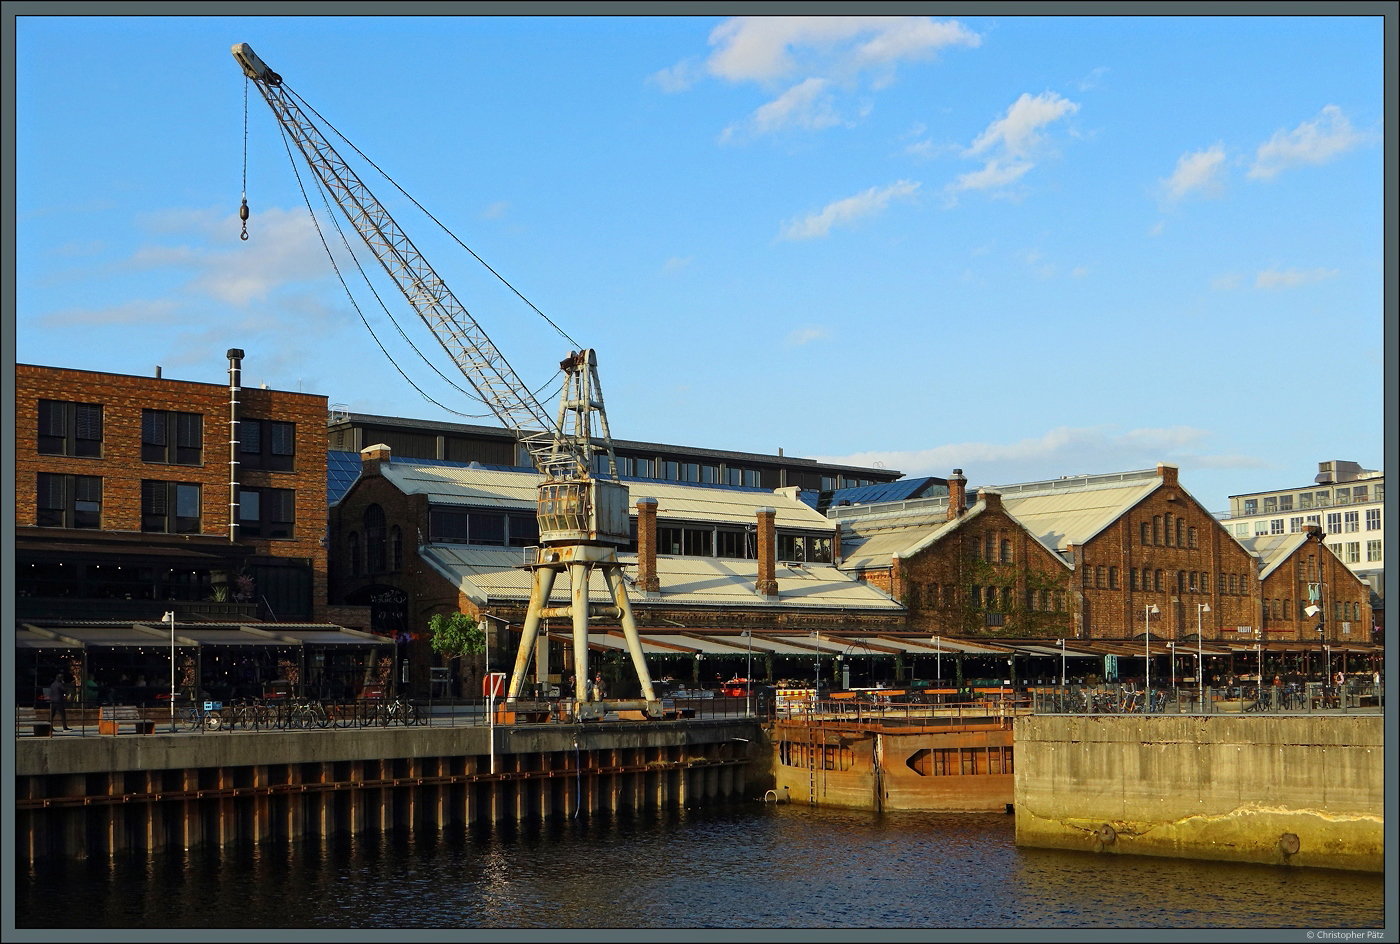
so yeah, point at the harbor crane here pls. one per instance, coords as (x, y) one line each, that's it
(582, 513)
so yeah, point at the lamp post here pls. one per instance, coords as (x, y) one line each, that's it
(1171, 645)
(1147, 644)
(1200, 648)
(938, 655)
(1259, 654)
(748, 687)
(170, 618)
(1063, 682)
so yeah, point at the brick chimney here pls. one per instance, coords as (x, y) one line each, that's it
(1167, 472)
(647, 580)
(992, 500)
(767, 554)
(372, 457)
(957, 494)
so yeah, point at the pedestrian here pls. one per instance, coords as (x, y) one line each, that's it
(598, 687)
(57, 692)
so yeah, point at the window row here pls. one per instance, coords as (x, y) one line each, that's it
(485, 528)
(1341, 495)
(75, 501)
(1349, 552)
(1283, 610)
(992, 547)
(383, 550)
(171, 437)
(1167, 531)
(1184, 581)
(699, 473)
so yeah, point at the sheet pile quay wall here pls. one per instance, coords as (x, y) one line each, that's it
(1290, 790)
(92, 796)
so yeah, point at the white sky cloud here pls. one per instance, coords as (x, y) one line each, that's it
(1198, 171)
(495, 211)
(993, 175)
(139, 312)
(806, 335)
(866, 203)
(1018, 131)
(806, 105)
(677, 263)
(1312, 142)
(1292, 278)
(767, 48)
(1061, 451)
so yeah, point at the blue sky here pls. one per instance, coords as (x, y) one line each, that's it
(1023, 247)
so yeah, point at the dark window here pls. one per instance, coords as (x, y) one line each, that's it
(170, 507)
(1005, 551)
(1157, 581)
(69, 501)
(447, 527)
(352, 541)
(70, 429)
(1180, 581)
(171, 437)
(1205, 583)
(376, 540)
(1232, 583)
(1156, 529)
(977, 596)
(668, 540)
(1180, 533)
(1099, 573)
(990, 548)
(698, 542)
(731, 544)
(1167, 529)
(486, 529)
(524, 531)
(1191, 537)
(819, 550)
(1146, 535)
(1133, 578)
(791, 547)
(266, 444)
(395, 549)
(1113, 578)
(267, 512)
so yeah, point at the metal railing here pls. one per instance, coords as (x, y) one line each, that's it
(1293, 698)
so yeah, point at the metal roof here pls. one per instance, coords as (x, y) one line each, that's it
(494, 575)
(83, 635)
(1062, 518)
(448, 484)
(1273, 549)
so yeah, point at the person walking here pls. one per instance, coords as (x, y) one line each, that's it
(57, 693)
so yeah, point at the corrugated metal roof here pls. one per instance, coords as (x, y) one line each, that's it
(449, 484)
(1273, 549)
(494, 574)
(1060, 519)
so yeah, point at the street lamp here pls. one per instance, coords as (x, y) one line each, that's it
(748, 687)
(1147, 644)
(1200, 648)
(170, 618)
(938, 655)
(1171, 644)
(1063, 682)
(1259, 653)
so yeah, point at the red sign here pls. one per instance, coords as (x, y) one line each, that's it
(494, 684)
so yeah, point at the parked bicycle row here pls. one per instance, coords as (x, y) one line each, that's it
(1234, 699)
(284, 714)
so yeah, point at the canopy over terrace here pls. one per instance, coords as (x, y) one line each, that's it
(130, 661)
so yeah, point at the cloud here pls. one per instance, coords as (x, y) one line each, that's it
(1080, 272)
(1156, 228)
(1060, 451)
(866, 203)
(495, 210)
(992, 176)
(1010, 141)
(1092, 79)
(824, 54)
(768, 48)
(1226, 283)
(141, 311)
(1018, 131)
(1312, 142)
(677, 263)
(800, 336)
(1197, 171)
(1292, 278)
(805, 106)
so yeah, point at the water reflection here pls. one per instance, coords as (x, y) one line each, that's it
(748, 867)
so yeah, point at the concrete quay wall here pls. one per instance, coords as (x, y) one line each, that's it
(92, 796)
(1286, 790)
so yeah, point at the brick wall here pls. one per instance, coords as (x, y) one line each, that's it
(123, 397)
(1284, 594)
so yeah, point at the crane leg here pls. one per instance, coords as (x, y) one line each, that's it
(629, 629)
(540, 588)
(578, 579)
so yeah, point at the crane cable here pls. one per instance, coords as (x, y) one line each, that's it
(243, 210)
(430, 216)
(350, 295)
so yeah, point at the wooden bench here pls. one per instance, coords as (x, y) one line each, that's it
(112, 717)
(31, 716)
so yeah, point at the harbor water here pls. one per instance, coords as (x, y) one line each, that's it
(747, 866)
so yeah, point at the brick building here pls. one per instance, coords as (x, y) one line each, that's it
(1129, 552)
(412, 538)
(1299, 570)
(125, 485)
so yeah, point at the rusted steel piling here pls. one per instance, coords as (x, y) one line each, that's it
(97, 796)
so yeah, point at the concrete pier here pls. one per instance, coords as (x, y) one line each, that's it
(1300, 790)
(92, 796)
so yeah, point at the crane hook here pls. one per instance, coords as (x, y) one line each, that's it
(243, 215)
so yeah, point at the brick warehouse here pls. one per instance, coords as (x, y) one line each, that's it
(123, 496)
(411, 538)
(1127, 543)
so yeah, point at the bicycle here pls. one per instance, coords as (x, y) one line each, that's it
(203, 716)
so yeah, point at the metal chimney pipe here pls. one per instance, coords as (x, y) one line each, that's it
(235, 387)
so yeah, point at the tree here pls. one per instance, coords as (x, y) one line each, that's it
(456, 635)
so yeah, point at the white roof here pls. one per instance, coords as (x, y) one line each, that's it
(495, 575)
(488, 488)
(1273, 549)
